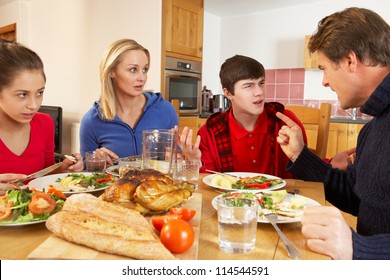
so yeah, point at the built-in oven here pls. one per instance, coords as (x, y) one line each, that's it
(183, 79)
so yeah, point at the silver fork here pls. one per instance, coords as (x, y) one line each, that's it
(291, 250)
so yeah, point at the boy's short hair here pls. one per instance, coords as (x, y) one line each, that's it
(238, 68)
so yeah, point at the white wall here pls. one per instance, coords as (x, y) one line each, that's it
(276, 38)
(71, 36)
(211, 52)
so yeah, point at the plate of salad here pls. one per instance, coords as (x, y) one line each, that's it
(113, 170)
(288, 207)
(26, 207)
(244, 181)
(71, 183)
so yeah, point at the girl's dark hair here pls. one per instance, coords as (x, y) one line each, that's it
(14, 58)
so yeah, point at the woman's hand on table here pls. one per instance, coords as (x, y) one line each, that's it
(343, 159)
(111, 157)
(327, 232)
(69, 165)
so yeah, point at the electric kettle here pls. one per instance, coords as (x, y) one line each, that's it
(221, 103)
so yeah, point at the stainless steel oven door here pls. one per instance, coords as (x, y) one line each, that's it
(185, 86)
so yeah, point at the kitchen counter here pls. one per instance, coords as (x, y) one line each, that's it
(348, 119)
(205, 115)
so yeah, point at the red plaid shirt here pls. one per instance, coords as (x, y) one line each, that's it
(226, 146)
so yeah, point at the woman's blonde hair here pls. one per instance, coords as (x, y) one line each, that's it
(110, 60)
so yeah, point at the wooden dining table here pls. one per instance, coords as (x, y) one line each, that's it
(17, 242)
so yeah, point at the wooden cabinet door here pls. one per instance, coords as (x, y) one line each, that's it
(183, 26)
(342, 136)
(310, 60)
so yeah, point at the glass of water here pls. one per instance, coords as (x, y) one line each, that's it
(237, 224)
(187, 170)
(95, 161)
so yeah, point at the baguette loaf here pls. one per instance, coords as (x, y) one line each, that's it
(105, 227)
(109, 211)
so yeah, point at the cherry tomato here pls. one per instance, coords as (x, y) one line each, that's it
(5, 210)
(41, 203)
(186, 213)
(177, 236)
(159, 221)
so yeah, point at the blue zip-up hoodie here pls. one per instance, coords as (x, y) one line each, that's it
(119, 137)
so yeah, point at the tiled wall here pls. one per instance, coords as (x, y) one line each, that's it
(287, 86)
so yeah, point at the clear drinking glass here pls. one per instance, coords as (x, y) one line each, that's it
(159, 150)
(187, 170)
(237, 224)
(131, 162)
(95, 161)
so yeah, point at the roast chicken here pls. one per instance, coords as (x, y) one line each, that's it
(148, 191)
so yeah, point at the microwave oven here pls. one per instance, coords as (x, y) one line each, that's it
(183, 80)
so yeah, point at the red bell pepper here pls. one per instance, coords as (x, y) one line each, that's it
(257, 185)
(105, 179)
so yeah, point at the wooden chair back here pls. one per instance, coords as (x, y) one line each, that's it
(315, 120)
(176, 105)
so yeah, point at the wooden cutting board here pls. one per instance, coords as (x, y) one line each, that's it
(57, 248)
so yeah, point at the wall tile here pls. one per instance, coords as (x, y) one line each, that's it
(282, 91)
(297, 91)
(298, 75)
(270, 76)
(298, 102)
(270, 91)
(283, 76)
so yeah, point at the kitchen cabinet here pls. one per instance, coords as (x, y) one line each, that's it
(193, 123)
(182, 29)
(310, 60)
(342, 136)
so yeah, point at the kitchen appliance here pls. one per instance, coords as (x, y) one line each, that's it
(183, 80)
(221, 103)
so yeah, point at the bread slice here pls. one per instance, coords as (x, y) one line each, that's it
(107, 228)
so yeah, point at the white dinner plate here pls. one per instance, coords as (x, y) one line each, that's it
(22, 224)
(207, 181)
(281, 219)
(113, 170)
(45, 181)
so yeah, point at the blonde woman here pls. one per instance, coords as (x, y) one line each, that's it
(115, 123)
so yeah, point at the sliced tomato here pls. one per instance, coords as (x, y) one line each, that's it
(56, 192)
(107, 178)
(159, 221)
(177, 236)
(41, 203)
(5, 209)
(235, 194)
(186, 213)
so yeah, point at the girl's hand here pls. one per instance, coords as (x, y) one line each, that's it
(9, 177)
